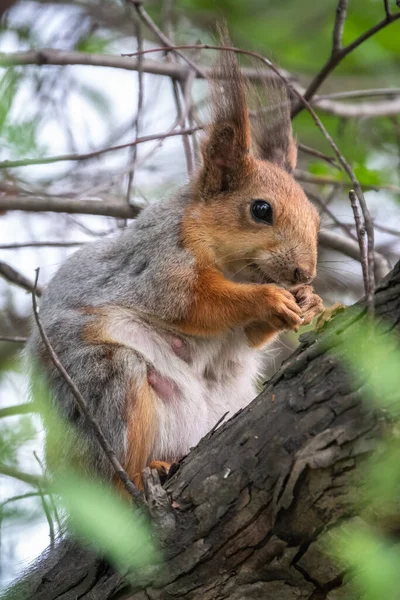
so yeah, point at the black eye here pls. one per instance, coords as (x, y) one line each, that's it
(261, 211)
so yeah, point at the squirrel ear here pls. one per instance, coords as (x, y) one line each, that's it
(227, 145)
(272, 127)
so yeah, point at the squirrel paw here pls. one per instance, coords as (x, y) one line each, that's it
(284, 312)
(310, 303)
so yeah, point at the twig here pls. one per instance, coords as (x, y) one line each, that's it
(18, 245)
(137, 121)
(180, 72)
(34, 480)
(387, 9)
(368, 93)
(338, 56)
(17, 409)
(92, 422)
(16, 339)
(345, 228)
(341, 12)
(68, 205)
(50, 494)
(13, 276)
(163, 38)
(360, 229)
(350, 248)
(23, 162)
(45, 507)
(318, 154)
(324, 180)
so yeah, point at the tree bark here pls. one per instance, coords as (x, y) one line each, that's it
(246, 513)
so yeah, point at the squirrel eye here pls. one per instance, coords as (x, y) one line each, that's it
(261, 211)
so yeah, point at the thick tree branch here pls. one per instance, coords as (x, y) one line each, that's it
(246, 513)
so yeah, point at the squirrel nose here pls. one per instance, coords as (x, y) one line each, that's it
(301, 276)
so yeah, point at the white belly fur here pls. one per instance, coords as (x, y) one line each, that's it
(219, 379)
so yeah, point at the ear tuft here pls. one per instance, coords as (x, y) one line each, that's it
(272, 126)
(228, 141)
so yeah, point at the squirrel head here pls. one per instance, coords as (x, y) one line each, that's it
(248, 215)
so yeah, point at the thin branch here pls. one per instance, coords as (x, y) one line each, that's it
(13, 276)
(345, 228)
(45, 507)
(137, 121)
(368, 93)
(17, 409)
(92, 422)
(350, 248)
(18, 246)
(68, 205)
(16, 339)
(360, 229)
(318, 154)
(338, 56)
(163, 38)
(35, 480)
(387, 8)
(306, 177)
(23, 162)
(180, 72)
(341, 12)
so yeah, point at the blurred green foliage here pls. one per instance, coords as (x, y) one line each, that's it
(368, 546)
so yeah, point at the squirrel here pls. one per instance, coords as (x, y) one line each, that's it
(162, 326)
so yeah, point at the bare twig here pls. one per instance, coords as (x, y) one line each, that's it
(387, 9)
(163, 38)
(306, 177)
(23, 162)
(13, 276)
(137, 121)
(35, 480)
(345, 228)
(68, 205)
(360, 229)
(18, 246)
(341, 12)
(368, 93)
(45, 507)
(16, 339)
(92, 422)
(318, 154)
(350, 248)
(17, 409)
(180, 72)
(337, 56)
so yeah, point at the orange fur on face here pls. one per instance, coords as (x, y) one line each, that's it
(222, 231)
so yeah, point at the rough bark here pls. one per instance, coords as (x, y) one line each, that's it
(246, 513)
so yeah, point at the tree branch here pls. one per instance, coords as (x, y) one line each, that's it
(13, 276)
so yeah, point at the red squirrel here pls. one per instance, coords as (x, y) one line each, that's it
(162, 326)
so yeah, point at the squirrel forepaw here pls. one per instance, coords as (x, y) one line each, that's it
(310, 303)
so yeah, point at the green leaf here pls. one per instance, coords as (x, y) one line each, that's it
(374, 562)
(107, 522)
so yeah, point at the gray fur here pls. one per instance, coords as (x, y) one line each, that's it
(134, 269)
